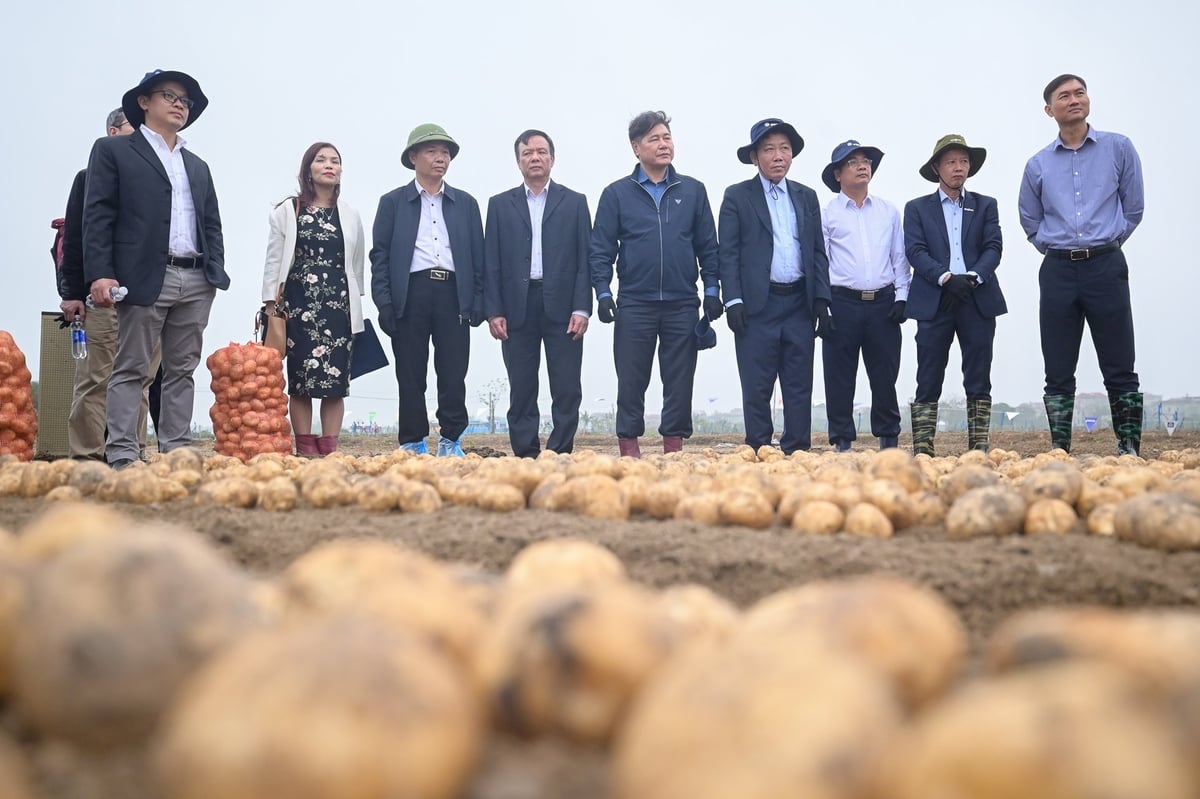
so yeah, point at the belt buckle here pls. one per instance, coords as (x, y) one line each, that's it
(1081, 254)
(868, 296)
(439, 274)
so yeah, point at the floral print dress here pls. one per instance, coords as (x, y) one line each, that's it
(316, 298)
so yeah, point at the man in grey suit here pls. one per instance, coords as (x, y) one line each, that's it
(952, 239)
(427, 282)
(151, 224)
(775, 283)
(537, 293)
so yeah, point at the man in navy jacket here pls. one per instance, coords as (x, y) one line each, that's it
(952, 239)
(656, 225)
(775, 283)
(427, 282)
(536, 293)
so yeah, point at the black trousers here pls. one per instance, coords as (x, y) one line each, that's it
(976, 334)
(640, 328)
(564, 362)
(778, 344)
(1095, 291)
(861, 327)
(431, 314)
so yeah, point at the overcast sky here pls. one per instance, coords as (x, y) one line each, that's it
(363, 74)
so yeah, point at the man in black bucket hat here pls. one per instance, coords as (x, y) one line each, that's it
(775, 283)
(151, 224)
(869, 279)
(952, 239)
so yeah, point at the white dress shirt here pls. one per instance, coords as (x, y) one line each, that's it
(537, 209)
(183, 210)
(865, 245)
(432, 248)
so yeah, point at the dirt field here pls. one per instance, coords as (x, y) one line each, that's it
(985, 580)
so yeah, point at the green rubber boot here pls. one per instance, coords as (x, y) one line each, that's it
(1127, 421)
(1060, 411)
(924, 427)
(979, 423)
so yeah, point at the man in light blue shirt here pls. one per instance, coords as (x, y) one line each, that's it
(1081, 199)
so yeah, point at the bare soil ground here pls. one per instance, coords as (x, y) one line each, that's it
(985, 580)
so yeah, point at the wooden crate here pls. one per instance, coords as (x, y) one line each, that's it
(56, 381)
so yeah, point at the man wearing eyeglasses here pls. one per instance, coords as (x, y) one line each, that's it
(1081, 199)
(151, 224)
(86, 422)
(869, 278)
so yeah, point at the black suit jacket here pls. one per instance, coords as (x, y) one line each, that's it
(508, 248)
(747, 244)
(927, 246)
(127, 217)
(394, 236)
(71, 285)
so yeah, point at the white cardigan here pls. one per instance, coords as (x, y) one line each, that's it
(281, 252)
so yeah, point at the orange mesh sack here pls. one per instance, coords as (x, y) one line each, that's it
(249, 414)
(18, 418)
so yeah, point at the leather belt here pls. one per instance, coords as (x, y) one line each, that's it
(183, 261)
(786, 288)
(1083, 253)
(436, 274)
(863, 296)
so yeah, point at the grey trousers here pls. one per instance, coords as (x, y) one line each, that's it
(176, 321)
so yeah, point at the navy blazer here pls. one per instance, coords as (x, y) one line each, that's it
(394, 238)
(747, 244)
(127, 217)
(927, 246)
(508, 251)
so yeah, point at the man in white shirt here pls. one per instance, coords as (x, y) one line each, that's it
(869, 278)
(151, 224)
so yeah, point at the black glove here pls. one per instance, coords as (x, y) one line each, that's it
(896, 314)
(948, 304)
(387, 321)
(959, 287)
(737, 318)
(606, 310)
(713, 308)
(822, 318)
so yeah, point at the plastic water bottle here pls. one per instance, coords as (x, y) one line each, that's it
(78, 339)
(116, 292)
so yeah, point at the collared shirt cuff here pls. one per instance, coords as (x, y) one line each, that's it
(602, 294)
(733, 302)
(584, 314)
(975, 275)
(712, 291)
(945, 276)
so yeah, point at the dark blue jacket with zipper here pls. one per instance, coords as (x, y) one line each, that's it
(656, 249)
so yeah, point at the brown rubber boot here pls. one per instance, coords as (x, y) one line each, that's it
(327, 444)
(672, 444)
(629, 448)
(306, 445)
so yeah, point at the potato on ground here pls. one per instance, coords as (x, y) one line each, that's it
(995, 511)
(1050, 516)
(14, 573)
(1073, 731)
(61, 527)
(746, 507)
(698, 612)
(567, 661)
(866, 519)
(759, 719)
(1061, 481)
(963, 479)
(905, 631)
(1162, 521)
(569, 562)
(278, 494)
(15, 779)
(818, 516)
(344, 709)
(595, 495)
(899, 466)
(112, 626)
(1159, 648)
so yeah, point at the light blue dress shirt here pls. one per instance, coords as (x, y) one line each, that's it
(785, 233)
(953, 212)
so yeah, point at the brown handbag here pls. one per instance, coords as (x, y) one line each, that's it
(275, 333)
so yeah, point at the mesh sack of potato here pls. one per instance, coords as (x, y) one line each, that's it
(249, 413)
(18, 417)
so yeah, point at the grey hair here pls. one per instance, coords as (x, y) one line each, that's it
(116, 118)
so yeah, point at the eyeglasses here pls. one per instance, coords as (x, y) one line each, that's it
(172, 98)
(854, 163)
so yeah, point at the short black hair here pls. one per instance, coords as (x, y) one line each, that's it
(647, 121)
(1059, 81)
(529, 134)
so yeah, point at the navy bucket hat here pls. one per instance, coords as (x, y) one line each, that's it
(706, 337)
(762, 128)
(134, 112)
(840, 154)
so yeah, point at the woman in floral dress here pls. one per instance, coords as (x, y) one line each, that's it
(314, 267)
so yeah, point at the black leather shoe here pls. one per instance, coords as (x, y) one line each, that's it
(121, 463)
(841, 446)
(888, 442)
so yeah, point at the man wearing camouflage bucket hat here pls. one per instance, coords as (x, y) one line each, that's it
(427, 282)
(952, 239)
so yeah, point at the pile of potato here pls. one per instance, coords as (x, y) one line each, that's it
(1153, 503)
(366, 669)
(18, 417)
(249, 413)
